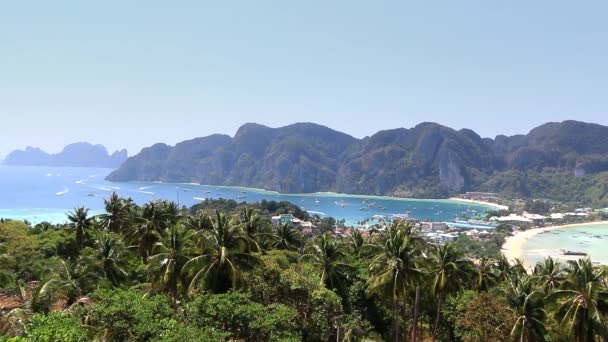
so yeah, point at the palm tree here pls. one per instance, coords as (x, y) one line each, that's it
(36, 300)
(356, 242)
(583, 301)
(527, 305)
(170, 254)
(81, 222)
(251, 224)
(117, 209)
(286, 237)
(67, 282)
(450, 270)
(395, 270)
(199, 223)
(325, 252)
(155, 217)
(549, 274)
(486, 275)
(225, 255)
(107, 257)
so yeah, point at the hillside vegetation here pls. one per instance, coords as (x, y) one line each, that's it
(563, 161)
(158, 273)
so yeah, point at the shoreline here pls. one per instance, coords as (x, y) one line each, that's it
(513, 248)
(497, 206)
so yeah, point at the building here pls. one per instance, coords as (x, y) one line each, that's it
(285, 219)
(441, 237)
(306, 227)
(433, 226)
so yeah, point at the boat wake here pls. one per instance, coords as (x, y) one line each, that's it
(101, 188)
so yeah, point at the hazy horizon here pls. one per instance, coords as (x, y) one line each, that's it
(128, 75)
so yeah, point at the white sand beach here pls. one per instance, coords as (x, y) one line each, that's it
(513, 247)
(497, 206)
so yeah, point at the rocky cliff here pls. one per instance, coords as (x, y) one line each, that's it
(428, 160)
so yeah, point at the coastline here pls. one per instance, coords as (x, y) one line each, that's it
(513, 247)
(497, 206)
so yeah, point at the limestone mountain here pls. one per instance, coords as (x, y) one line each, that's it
(428, 160)
(74, 155)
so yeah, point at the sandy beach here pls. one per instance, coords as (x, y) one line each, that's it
(513, 247)
(498, 206)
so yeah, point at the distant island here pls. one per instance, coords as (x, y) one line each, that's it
(80, 154)
(565, 161)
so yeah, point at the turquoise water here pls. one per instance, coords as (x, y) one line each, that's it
(47, 193)
(591, 239)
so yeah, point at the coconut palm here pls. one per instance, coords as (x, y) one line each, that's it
(527, 304)
(116, 214)
(549, 274)
(154, 218)
(251, 224)
(106, 257)
(486, 274)
(450, 270)
(170, 254)
(394, 271)
(67, 282)
(356, 242)
(225, 255)
(286, 237)
(583, 301)
(81, 222)
(199, 223)
(325, 252)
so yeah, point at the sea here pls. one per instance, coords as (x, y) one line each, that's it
(590, 239)
(41, 194)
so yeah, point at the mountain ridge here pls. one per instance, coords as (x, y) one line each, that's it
(427, 160)
(80, 154)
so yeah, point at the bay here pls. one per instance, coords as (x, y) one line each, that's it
(591, 239)
(47, 193)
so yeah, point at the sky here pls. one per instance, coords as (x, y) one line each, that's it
(134, 73)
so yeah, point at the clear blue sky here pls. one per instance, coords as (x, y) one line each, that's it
(132, 73)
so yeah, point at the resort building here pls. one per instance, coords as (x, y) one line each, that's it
(441, 237)
(285, 219)
(433, 226)
(306, 227)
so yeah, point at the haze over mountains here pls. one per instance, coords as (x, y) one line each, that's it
(80, 154)
(555, 160)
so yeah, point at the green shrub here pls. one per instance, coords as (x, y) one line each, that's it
(126, 315)
(236, 313)
(56, 327)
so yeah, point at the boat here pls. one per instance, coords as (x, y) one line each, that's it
(575, 253)
(363, 209)
(91, 195)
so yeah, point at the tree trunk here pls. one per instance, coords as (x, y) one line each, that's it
(396, 320)
(415, 323)
(436, 327)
